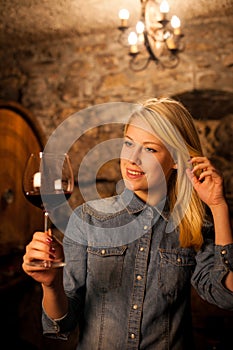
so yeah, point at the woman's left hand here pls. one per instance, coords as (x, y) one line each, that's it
(209, 184)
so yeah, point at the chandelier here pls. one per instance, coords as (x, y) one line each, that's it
(161, 37)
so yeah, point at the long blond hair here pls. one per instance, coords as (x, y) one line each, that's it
(174, 125)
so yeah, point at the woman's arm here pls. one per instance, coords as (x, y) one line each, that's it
(43, 247)
(55, 301)
(223, 233)
(209, 187)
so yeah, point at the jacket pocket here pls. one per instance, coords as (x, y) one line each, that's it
(105, 266)
(175, 270)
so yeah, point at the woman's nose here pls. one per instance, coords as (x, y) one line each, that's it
(135, 156)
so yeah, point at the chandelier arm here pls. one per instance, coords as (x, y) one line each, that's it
(135, 65)
(171, 63)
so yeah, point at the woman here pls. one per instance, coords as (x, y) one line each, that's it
(131, 258)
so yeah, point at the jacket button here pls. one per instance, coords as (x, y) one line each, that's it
(223, 252)
(178, 260)
(135, 306)
(132, 336)
(145, 227)
(103, 251)
(141, 249)
(139, 277)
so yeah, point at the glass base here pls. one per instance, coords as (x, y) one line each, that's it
(47, 264)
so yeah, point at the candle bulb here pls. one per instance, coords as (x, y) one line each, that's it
(124, 16)
(140, 29)
(37, 180)
(175, 23)
(171, 44)
(164, 9)
(58, 184)
(133, 39)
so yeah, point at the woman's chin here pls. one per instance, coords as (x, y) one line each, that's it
(129, 185)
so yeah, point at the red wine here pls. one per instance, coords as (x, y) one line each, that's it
(53, 199)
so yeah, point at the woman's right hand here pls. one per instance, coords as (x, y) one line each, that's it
(42, 247)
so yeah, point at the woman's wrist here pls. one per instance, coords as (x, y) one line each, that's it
(222, 224)
(220, 207)
(56, 282)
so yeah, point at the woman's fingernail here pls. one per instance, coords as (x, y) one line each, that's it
(49, 240)
(47, 264)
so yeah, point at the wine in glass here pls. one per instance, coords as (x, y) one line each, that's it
(48, 182)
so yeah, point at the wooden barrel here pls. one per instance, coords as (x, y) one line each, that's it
(20, 135)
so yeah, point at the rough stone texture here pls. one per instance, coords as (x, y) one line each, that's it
(40, 19)
(55, 76)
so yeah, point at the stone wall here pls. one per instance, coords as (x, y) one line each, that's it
(54, 79)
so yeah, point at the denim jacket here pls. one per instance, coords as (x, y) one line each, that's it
(128, 281)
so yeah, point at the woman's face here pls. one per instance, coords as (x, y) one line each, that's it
(146, 164)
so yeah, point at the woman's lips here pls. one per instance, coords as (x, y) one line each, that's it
(134, 174)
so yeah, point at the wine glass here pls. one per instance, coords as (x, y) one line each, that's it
(48, 182)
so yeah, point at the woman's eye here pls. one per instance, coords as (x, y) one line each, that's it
(128, 143)
(151, 150)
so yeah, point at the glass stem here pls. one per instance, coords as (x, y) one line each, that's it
(46, 217)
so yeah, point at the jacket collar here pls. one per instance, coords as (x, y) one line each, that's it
(134, 204)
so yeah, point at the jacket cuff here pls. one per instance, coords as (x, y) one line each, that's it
(51, 328)
(226, 255)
